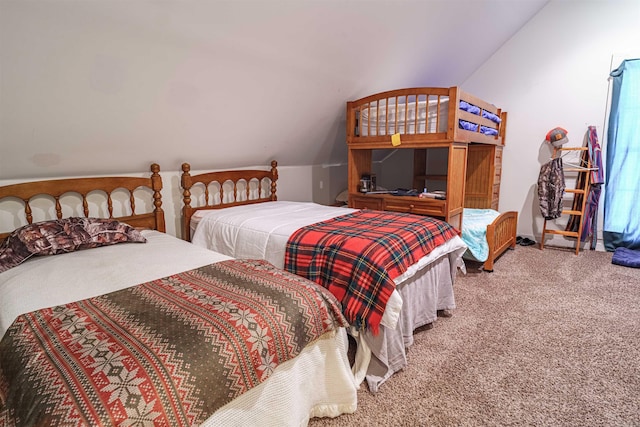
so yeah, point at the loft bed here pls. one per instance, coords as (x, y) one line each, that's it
(471, 130)
(424, 115)
(237, 213)
(102, 277)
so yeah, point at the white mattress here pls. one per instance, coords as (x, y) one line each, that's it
(262, 230)
(403, 118)
(284, 399)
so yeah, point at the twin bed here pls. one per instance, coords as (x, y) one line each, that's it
(139, 326)
(238, 214)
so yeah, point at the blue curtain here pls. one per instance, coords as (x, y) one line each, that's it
(622, 185)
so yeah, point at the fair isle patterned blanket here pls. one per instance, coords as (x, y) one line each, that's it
(169, 352)
(357, 256)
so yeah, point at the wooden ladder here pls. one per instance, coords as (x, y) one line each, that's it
(581, 192)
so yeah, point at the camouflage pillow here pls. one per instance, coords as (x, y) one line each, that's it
(63, 235)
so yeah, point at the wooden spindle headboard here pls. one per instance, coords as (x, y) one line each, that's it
(266, 190)
(55, 189)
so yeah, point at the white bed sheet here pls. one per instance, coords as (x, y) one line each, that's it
(262, 230)
(318, 382)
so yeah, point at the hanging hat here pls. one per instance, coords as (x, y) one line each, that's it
(557, 137)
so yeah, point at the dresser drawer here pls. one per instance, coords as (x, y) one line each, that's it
(428, 207)
(356, 202)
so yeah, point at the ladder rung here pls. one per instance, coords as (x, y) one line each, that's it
(562, 232)
(571, 212)
(572, 148)
(575, 190)
(576, 169)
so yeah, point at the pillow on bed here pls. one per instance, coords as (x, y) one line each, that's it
(63, 235)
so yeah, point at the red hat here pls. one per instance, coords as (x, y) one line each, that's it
(557, 136)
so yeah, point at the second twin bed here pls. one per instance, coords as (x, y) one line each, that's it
(238, 215)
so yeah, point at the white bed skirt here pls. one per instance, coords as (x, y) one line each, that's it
(430, 290)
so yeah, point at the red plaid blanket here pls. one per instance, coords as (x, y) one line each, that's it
(357, 256)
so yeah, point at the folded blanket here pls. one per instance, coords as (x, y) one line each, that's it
(488, 131)
(626, 257)
(469, 108)
(474, 109)
(491, 116)
(463, 124)
(468, 125)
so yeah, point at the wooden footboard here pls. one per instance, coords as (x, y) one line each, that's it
(501, 235)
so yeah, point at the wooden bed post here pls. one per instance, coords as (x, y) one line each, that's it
(452, 117)
(503, 127)
(351, 118)
(274, 178)
(187, 210)
(156, 185)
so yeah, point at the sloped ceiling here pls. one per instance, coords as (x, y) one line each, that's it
(109, 86)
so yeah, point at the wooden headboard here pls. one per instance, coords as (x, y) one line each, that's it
(264, 192)
(53, 190)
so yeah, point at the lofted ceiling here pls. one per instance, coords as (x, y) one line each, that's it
(109, 86)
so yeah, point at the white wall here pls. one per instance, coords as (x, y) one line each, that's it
(553, 72)
(228, 83)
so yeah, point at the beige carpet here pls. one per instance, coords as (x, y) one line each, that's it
(548, 339)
